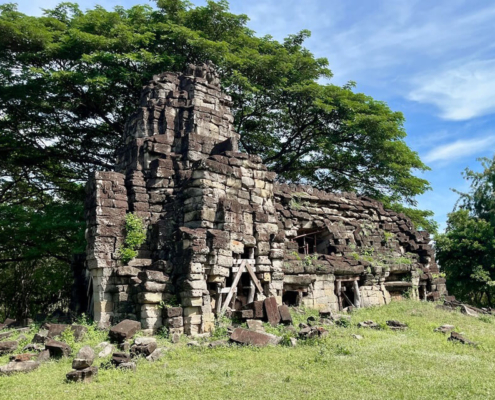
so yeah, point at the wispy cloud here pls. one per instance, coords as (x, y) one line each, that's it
(461, 93)
(459, 149)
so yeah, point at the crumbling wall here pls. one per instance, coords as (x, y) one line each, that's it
(222, 233)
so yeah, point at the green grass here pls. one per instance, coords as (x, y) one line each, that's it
(414, 364)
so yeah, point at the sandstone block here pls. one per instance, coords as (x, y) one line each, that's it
(126, 329)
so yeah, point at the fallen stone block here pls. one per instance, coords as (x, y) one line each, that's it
(128, 366)
(125, 346)
(445, 328)
(22, 357)
(285, 316)
(84, 358)
(218, 343)
(458, 338)
(120, 358)
(6, 335)
(468, 311)
(8, 347)
(193, 343)
(396, 325)
(258, 309)
(312, 332)
(33, 347)
(143, 346)
(326, 313)
(82, 375)
(156, 355)
(124, 330)
(57, 349)
(41, 336)
(255, 325)
(43, 356)
(107, 350)
(368, 324)
(22, 366)
(357, 337)
(245, 336)
(271, 311)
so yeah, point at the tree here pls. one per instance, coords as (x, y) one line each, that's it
(466, 251)
(70, 78)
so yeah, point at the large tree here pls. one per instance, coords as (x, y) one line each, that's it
(70, 78)
(466, 251)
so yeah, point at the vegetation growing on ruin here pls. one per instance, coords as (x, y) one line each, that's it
(135, 236)
(423, 364)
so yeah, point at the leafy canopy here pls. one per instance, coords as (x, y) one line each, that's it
(466, 251)
(69, 80)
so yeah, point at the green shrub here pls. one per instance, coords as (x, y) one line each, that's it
(135, 235)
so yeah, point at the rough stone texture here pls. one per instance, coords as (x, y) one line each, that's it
(84, 358)
(156, 354)
(255, 325)
(445, 328)
(206, 205)
(285, 316)
(245, 336)
(271, 310)
(120, 358)
(128, 366)
(396, 325)
(124, 330)
(143, 346)
(458, 338)
(107, 349)
(43, 356)
(21, 366)
(57, 349)
(8, 347)
(82, 375)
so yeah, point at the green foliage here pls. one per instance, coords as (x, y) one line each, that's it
(466, 251)
(135, 236)
(36, 250)
(171, 302)
(387, 236)
(310, 258)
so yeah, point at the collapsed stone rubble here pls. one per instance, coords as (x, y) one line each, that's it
(223, 235)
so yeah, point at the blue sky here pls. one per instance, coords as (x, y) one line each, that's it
(432, 60)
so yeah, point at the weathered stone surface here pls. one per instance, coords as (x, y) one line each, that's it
(57, 349)
(124, 330)
(107, 349)
(6, 335)
(156, 355)
(271, 310)
(33, 347)
(41, 336)
(458, 338)
(368, 324)
(120, 358)
(171, 312)
(128, 366)
(396, 325)
(144, 346)
(245, 336)
(218, 343)
(8, 347)
(22, 366)
(22, 357)
(285, 316)
(43, 356)
(255, 325)
(83, 375)
(84, 358)
(445, 328)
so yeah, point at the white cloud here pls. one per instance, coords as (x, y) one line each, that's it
(461, 93)
(459, 149)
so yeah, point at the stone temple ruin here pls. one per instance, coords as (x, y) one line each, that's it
(222, 234)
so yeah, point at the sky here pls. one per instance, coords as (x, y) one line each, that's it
(432, 60)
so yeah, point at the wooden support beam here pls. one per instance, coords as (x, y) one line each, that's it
(234, 285)
(347, 299)
(357, 294)
(339, 294)
(254, 278)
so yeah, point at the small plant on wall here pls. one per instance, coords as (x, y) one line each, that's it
(135, 235)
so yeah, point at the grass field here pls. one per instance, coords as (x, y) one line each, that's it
(414, 364)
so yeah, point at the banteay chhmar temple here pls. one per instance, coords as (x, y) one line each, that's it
(223, 234)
